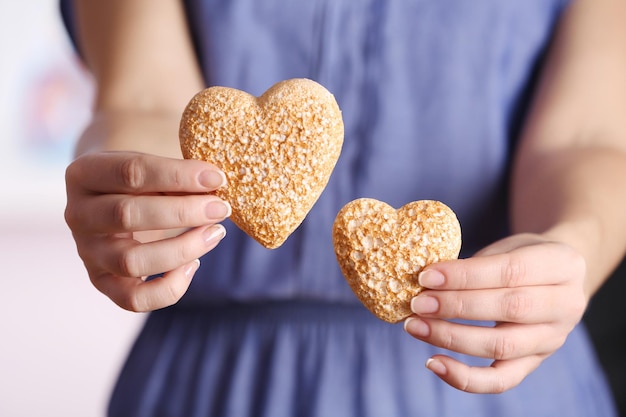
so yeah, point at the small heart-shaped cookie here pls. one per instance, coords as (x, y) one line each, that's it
(277, 151)
(381, 250)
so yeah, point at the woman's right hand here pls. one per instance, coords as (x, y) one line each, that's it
(113, 198)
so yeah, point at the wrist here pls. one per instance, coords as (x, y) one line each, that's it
(585, 237)
(153, 133)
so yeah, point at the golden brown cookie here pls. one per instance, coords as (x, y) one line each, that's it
(277, 151)
(382, 250)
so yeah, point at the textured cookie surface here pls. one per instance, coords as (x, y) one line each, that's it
(277, 151)
(382, 250)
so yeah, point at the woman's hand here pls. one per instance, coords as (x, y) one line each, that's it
(530, 286)
(112, 197)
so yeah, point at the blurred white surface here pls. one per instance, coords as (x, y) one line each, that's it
(61, 342)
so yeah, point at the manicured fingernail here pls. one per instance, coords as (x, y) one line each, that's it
(214, 233)
(192, 268)
(416, 327)
(424, 304)
(212, 179)
(431, 278)
(217, 210)
(436, 366)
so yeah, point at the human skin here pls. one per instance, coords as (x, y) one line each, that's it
(567, 194)
(128, 173)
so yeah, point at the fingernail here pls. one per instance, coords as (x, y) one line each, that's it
(431, 278)
(192, 268)
(219, 209)
(214, 233)
(212, 179)
(416, 327)
(424, 304)
(436, 366)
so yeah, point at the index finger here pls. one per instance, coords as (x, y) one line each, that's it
(138, 173)
(525, 266)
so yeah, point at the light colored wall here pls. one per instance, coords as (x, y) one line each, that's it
(61, 342)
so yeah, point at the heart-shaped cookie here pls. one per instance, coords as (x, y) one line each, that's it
(277, 151)
(381, 250)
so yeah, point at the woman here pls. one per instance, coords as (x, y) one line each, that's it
(436, 98)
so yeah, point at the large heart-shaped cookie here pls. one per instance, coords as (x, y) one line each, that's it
(277, 151)
(381, 250)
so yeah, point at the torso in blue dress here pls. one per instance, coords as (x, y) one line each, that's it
(432, 94)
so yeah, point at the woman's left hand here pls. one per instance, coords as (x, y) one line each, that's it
(531, 287)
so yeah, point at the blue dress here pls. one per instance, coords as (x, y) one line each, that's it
(433, 93)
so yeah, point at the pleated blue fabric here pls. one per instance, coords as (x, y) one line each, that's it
(285, 359)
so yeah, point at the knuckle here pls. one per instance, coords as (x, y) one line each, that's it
(178, 177)
(503, 348)
(449, 341)
(184, 254)
(132, 301)
(463, 278)
(125, 214)
(165, 295)
(70, 216)
(132, 173)
(84, 253)
(516, 306)
(71, 172)
(465, 384)
(69, 175)
(573, 263)
(512, 272)
(173, 292)
(130, 264)
(499, 385)
(459, 308)
(184, 214)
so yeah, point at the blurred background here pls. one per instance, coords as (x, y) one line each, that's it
(61, 342)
